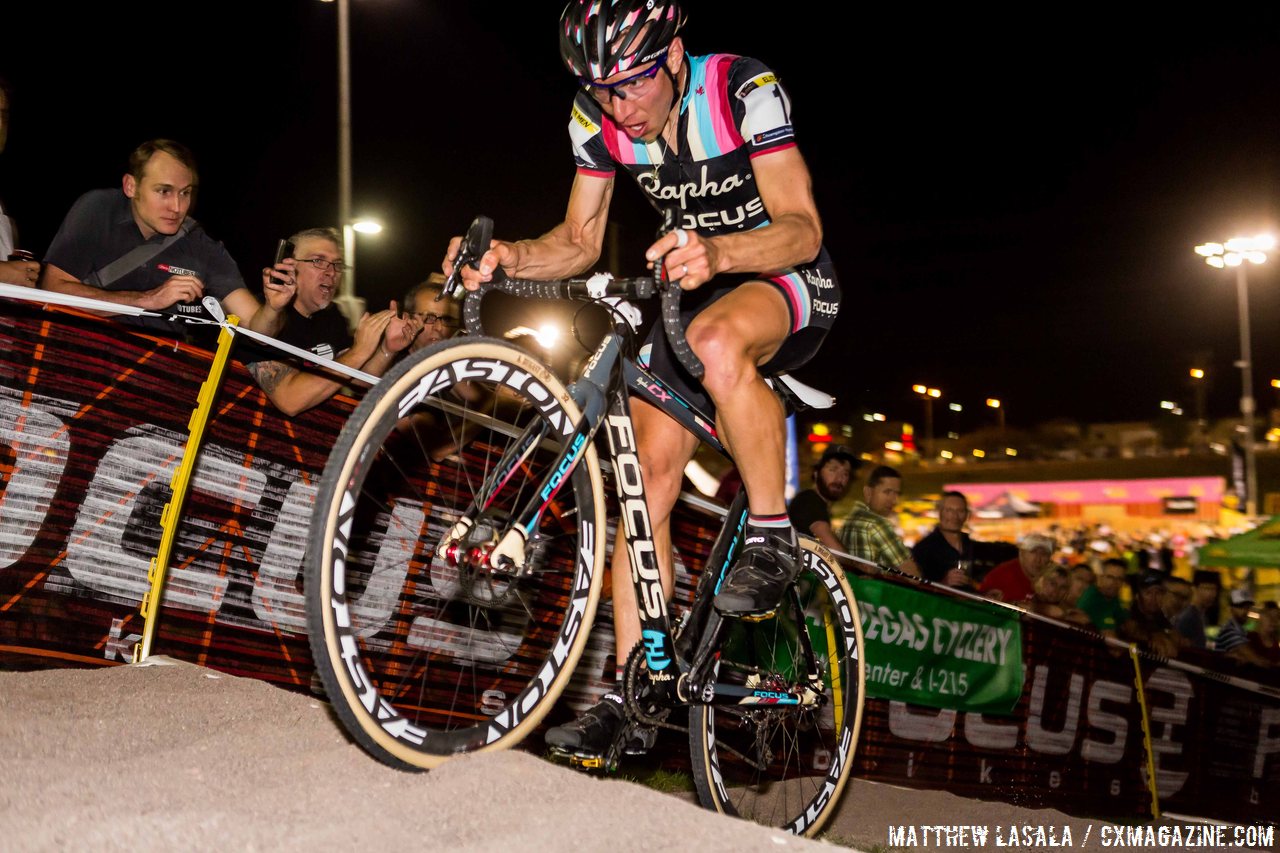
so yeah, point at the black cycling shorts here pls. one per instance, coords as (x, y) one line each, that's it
(812, 294)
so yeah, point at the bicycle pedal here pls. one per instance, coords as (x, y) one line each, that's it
(584, 761)
(757, 617)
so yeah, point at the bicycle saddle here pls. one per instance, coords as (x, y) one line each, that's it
(797, 396)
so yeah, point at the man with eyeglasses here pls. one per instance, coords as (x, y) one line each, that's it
(711, 135)
(438, 313)
(315, 324)
(138, 246)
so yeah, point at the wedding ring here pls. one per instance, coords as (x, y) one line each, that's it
(682, 238)
(684, 269)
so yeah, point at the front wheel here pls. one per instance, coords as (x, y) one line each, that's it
(779, 765)
(427, 652)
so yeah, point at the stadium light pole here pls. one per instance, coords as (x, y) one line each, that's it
(1197, 382)
(1239, 252)
(352, 306)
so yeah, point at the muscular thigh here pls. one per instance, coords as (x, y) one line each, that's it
(754, 315)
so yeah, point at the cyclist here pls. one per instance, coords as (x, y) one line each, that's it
(713, 135)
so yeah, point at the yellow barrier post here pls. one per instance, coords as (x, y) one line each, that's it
(1146, 732)
(179, 486)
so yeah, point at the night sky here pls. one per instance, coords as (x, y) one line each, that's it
(1011, 205)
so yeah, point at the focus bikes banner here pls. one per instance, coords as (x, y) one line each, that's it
(1073, 741)
(92, 423)
(939, 651)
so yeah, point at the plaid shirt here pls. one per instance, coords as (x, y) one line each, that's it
(871, 537)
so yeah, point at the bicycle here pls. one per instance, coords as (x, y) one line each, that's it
(456, 557)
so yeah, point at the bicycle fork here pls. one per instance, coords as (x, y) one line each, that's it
(474, 541)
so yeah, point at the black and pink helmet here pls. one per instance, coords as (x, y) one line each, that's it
(600, 38)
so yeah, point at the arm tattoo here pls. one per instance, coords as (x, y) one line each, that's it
(269, 374)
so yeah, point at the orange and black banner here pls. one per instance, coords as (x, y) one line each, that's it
(93, 420)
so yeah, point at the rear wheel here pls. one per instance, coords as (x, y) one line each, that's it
(424, 655)
(779, 765)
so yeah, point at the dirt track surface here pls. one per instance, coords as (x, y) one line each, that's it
(175, 756)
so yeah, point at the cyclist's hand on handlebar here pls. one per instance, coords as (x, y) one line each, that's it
(692, 264)
(500, 254)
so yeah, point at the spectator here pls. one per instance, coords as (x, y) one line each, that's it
(810, 510)
(946, 554)
(1191, 621)
(1147, 624)
(139, 247)
(439, 315)
(1050, 597)
(1153, 555)
(1101, 602)
(315, 324)
(1177, 596)
(16, 267)
(1264, 639)
(867, 532)
(1232, 639)
(1082, 578)
(1014, 580)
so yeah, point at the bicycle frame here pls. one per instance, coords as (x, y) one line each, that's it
(603, 391)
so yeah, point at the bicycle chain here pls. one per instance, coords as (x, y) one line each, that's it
(637, 714)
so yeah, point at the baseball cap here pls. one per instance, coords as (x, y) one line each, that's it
(1240, 597)
(1038, 542)
(1151, 579)
(841, 452)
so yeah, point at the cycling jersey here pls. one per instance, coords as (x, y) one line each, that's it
(733, 109)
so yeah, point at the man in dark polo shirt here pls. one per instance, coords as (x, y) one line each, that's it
(946, 555)
(810, 510)
(108, 225)
(314, 323)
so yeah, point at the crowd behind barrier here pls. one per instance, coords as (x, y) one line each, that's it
(92, 422)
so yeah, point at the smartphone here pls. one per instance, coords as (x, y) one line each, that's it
(284, 249)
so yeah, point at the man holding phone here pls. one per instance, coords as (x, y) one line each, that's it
(314, 323)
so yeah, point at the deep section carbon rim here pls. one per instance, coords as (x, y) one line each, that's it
(426, 655)
(784, 765)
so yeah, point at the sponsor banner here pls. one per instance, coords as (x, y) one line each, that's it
(939, 651)
(1216, 745)
(93, 419)
(1073, 742)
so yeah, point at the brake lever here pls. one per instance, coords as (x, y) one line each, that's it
(470, 251)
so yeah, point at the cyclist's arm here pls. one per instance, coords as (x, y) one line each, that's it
(572, 247)
(794, 233)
